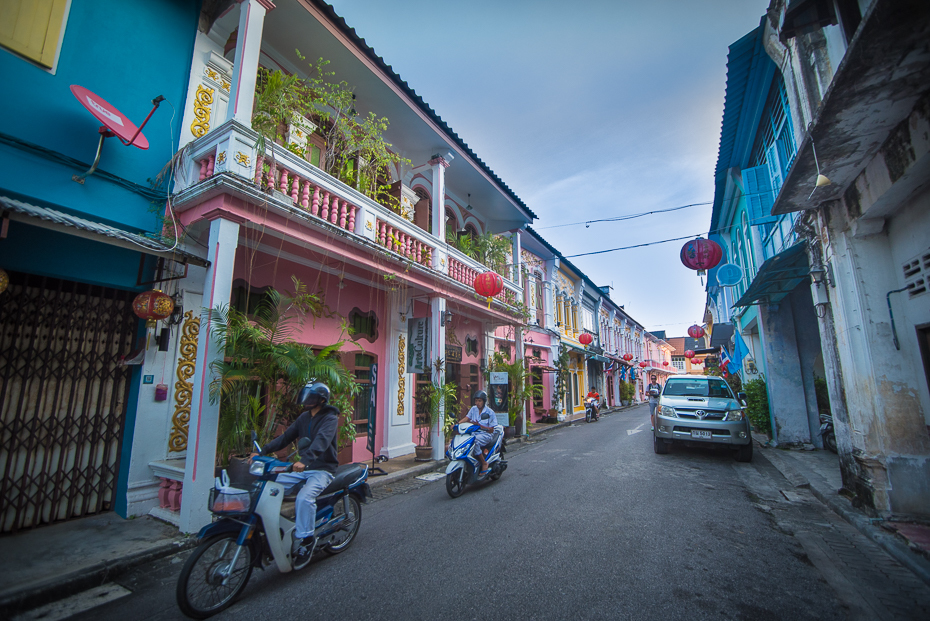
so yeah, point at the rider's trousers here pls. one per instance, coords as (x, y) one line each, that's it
(317, 480)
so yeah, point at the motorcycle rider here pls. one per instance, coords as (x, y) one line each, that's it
(653, 390)
(483, 416)
(593, 394)
(317, 463)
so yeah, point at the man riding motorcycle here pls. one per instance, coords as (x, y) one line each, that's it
(483, 416)
(593, 394)
(318, 462)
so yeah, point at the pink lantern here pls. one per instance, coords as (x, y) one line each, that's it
(701, 254)
(695, 331)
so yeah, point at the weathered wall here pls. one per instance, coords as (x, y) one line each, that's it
(786, 394)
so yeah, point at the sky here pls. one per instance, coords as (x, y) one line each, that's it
(587, 110)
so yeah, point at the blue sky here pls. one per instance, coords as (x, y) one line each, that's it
(587, 110)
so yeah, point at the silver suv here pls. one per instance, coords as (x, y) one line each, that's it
(701, 410)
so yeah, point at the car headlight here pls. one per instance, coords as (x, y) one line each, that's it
(667, 411)
(257, 468)
(734, 415)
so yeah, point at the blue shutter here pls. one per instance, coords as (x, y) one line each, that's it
(759, 194)
(775, 168)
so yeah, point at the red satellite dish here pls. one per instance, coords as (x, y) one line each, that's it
(114, 120)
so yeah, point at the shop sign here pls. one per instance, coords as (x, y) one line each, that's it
(453, 354)
(372, 407)
(498, 377)
(418, 345)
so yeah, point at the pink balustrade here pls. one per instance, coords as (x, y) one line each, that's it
(402, 243)
(304, 193)
(462, 273)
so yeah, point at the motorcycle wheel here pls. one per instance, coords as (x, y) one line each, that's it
(587, 416)
(455, 483)
(344, 537)
(200, 592)
(829, 441)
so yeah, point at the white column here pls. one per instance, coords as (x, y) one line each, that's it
(439, 166)
(399, 385)
(245, 69)
(201, 435)
(517, 272)
(437, 347)
(518, 344)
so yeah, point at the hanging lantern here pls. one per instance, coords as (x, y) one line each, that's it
(627, 357)
(643, 365)
(4, 281)
(689, 354)
(695, 331)
(585, 339)
(153, 306)
(488, 285)
(665, 363)
(701, 254)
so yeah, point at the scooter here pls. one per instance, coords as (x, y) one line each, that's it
(827, 433)
(255, 528)
(463, 463)
(590, 410)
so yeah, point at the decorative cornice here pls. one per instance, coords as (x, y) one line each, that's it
(222, 214)
(439, 160)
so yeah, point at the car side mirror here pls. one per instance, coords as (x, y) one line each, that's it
(304, 443)
(742, 397)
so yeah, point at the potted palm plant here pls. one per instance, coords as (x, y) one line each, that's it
(440, 400)
(520, 389)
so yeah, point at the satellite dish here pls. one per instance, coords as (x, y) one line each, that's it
(729, 274)
(115, 123)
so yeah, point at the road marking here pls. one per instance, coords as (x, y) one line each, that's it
(432, 476)
(630, 432)
(71, 606)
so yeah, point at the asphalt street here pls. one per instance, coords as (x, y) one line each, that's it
(586, 523)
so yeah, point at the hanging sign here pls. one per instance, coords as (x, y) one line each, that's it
(372, 407)
(418, 345)
(499, 378)
(453, 354)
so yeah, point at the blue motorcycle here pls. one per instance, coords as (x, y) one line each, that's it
(254, 528)
(463, 463)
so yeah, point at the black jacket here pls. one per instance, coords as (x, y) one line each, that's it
(322, 430)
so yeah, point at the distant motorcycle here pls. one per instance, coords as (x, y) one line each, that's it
(463, 465)
(255, 528)
(590, 410)
(827, 433)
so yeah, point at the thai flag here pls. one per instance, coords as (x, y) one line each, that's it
(610, 367)
(724, 358)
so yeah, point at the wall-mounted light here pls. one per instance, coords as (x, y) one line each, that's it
(445, 318)
(818, 275)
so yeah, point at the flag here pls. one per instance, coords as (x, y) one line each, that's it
(740, 351)
(610, 366)
(724, 358)
(623, 373)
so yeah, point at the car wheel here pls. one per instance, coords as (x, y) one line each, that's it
(659, 445)
(744, 454)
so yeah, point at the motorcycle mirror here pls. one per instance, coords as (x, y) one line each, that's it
(255, 441)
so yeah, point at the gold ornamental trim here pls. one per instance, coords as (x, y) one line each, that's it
(183, 388)
(203, 99)
(401, 372)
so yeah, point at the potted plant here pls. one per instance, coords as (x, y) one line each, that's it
(520, 389)
(440, 401)
(626, 393)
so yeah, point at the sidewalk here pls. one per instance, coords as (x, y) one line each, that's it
(53, 562)
(819, 471)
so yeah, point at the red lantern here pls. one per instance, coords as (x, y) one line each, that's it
(153, 306)
(643, 365)
(701, 254)
(695, 331)
(585, 339)
(627, 357)
(665, 363)
(689, 354)
(488, 285)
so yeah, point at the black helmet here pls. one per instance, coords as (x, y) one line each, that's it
(313, 394)
(480, 395)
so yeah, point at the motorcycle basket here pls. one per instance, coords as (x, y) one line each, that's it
(229, 500)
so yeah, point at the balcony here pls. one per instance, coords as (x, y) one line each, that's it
(226, 161)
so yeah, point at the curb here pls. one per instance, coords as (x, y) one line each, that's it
(60, 587)
(842, 507)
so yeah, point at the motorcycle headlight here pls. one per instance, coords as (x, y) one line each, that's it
(667, 411)
(734, 415)
(257, 468)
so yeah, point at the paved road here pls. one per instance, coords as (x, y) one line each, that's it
(587, 523)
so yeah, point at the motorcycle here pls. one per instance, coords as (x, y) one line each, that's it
(463, 463)
(827, 433)
(255, 529)
(590, 410)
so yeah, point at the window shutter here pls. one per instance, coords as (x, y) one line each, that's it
(774, 164)
(759, 195)
(32, 28)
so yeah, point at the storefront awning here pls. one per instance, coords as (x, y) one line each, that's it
(721, 335)
(777, 277)
(53, 220)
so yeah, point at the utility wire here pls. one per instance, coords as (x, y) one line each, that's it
(587, 223)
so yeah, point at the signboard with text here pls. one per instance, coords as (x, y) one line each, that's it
(418, 345)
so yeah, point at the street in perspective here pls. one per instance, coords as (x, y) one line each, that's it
(483, 310)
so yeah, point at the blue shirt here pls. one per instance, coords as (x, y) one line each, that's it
(487, 417)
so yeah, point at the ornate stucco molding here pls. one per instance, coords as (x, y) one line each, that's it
(183, 388)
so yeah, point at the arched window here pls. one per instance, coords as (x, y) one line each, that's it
(452, 222)
(423, 210)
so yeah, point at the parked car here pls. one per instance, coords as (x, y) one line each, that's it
(699, 410)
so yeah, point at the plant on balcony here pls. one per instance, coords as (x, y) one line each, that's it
(263, 367)
(492, 251)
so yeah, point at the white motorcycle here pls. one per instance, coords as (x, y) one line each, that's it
(463, 460)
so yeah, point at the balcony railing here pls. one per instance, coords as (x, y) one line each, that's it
(230, 148)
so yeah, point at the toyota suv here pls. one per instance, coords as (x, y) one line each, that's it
(701, 410)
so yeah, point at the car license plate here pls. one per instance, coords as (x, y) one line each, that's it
(704, 435)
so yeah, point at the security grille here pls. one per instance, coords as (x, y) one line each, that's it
(63, 396)
(917, 274)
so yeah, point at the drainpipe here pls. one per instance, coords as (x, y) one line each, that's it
(894, 332)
